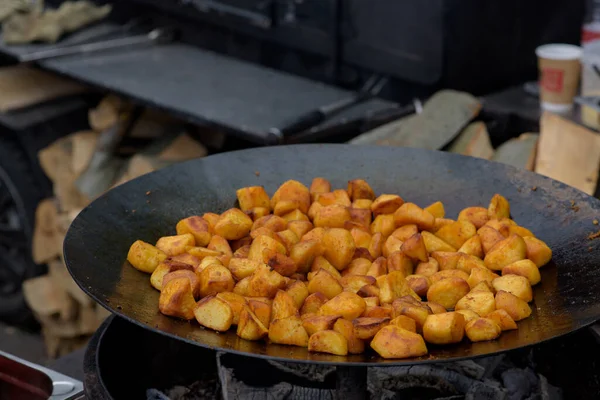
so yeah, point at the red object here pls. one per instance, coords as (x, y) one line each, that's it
(552, 79)
(589, 35)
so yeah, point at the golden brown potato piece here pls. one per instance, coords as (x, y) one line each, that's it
(525, 268)
(295, 215)
(457, 233)
(366, 328)
(428, 268)
(360, 252)
(251, 197)
(298, 291)
(521, 231)
(348, 305)
(360, 237)
(467, 262)
(501, 225)
(360, 216)
(174, 245)
(313, 303)
(404, 232)
(330, 341)
(260, 244)
(250, 327)
(435, 307)
(316, 323)
(499, 207)
(473, 247)
(339, 247)
(398, 261)
(353, 283)
(482, 329)
(258, 212)
(448, 292)
(386, 204)
(240, 268)
(214, 313)
(265, 282)
(489, 237)
(393, 286)
(273, 222)
(314, 209)
(378, 268)
(325, 283)
(444, 328)
(376, 245)
(358, 266)
(292, 192)
(300, 228)
(186, 258)
(468, 314)
(346, 328)
(319, 185)
(236, 302)
(517, 308)
(342, 197)
(177, 300)
(283, 306)
(515, 284)
(212, 219)
(261, 309)
(321, 262)
(233, 224)
(419, 284)
(436, 209)
(370, 301)
(360, 189)
(384, 224)
(215, 279)
(206, 261)
(446, 259)
(339, 197)
(262, 231)
(377, 311)
(315, 235)
(448, 273)
(482, 287)
(506, 252)
(503, 319)
(184, 273)
(283, 264)
(482, 303)
(362, 203)
(395, 342)
(304, 252)
(391, 245)
(156, 279)
(333, 216)
(479, 274)
(412, 308)
(405, 322)
(197, 227)
(242, 286)
(218, 243)
(414, 247)
(441, 222)
(478, 216)
(410, 213)
(435, 244)
(238, 244)
(537, 251)
(369, 291)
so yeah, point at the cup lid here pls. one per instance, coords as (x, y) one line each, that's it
(559, 51)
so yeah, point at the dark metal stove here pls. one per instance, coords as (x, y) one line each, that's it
(124, 361)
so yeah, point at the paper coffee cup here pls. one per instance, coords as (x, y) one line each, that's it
(559, 70)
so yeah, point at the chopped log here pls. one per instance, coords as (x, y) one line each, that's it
(444, 115)
(63, 280)
(44, 297)
(44, 245)
(519, 152)
(83, 144)
(88, 320)
(56, 158)
(183, 148)
(473, 141)
(568, 152)
(154, 124)
(106, 113)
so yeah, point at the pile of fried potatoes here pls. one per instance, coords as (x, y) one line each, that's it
(337, 270)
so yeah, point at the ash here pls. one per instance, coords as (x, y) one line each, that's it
(489, 378)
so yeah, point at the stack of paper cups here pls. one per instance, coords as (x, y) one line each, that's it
(559, 67)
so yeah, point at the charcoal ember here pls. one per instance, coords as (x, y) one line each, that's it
(547, 391)
(207, 388)
(312, 372)
(519, 383)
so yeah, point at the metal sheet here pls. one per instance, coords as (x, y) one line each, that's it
(568, 298)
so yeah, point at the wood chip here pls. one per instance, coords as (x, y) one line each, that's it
(519, 152)
(473, 141)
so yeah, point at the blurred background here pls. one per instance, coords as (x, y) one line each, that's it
(93, 94)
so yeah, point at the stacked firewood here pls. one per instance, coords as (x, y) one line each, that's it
(67, 315)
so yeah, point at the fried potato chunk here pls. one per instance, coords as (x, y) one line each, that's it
(177, 300)
(145, 257)
(233, 224)
(395, 342)
(444, 328)
(482, 329)
(328, 341)
(214, 313)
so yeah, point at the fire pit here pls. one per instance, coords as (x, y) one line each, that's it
(159, 368)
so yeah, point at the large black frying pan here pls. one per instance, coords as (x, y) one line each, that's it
(568, 298)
